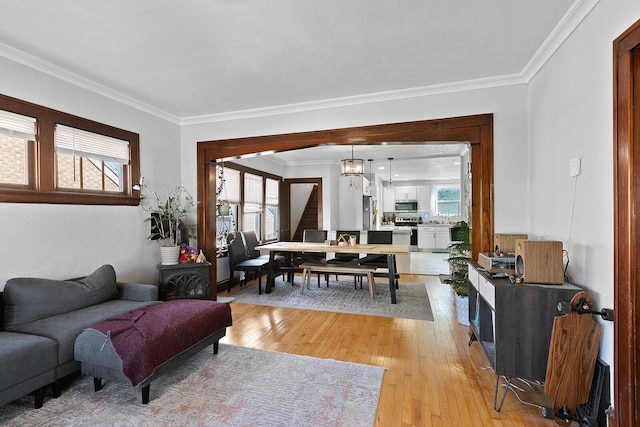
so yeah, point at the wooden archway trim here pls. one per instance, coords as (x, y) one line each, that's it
(475, 129)
(626, 142)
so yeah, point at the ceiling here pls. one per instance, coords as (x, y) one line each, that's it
(195, 58)
(199, 60)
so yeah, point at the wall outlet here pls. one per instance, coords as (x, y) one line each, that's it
(574, 167)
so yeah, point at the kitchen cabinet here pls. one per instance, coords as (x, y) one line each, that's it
(424, 198)
(426, 237)
(406, 193)
(443, 237)
(433, 237)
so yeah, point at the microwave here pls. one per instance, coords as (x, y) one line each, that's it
(406, 206)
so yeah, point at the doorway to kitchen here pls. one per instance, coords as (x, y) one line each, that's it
(477, 130)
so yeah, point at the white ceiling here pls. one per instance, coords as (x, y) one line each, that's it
(195, 60)
(192, 58)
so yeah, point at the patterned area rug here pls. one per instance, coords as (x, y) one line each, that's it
(238, 387)
(340, 296)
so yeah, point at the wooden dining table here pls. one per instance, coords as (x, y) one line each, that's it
(370, 250)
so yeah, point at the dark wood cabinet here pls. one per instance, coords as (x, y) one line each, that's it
(189, 280)
(513, 322)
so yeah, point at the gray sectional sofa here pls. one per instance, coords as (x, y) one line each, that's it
(41, 318)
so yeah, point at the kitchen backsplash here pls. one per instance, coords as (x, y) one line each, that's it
(424, 217)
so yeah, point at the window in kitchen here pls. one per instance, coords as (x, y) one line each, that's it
(47, 156)
(447, 200)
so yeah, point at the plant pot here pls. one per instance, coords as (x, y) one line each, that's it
(462, 309)
(223, 210)
(169, 255)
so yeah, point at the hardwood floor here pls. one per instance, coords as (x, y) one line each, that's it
(433, 377)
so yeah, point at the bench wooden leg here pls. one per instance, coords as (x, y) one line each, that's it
(372, 285)
(97, 383)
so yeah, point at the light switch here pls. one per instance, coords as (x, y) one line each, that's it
(574, 167)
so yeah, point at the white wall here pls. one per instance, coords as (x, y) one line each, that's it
(63, 241)
(571, 116)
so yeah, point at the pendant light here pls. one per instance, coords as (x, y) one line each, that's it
(390, 180)
(352, 167)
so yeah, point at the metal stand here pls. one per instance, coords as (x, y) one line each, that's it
(497, 407)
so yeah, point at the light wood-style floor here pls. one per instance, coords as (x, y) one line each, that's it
(433, 377)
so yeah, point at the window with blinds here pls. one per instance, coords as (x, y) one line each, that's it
(89, 161)
(47, 156)
(17, 133)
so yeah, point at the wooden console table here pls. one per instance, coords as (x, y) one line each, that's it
(189, 280)
(513, 323)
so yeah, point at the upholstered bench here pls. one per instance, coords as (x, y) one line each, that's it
(141, 345)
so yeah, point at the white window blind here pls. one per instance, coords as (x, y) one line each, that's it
(17, 125)
(69, 140)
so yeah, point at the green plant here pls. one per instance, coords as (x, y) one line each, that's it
(459, 250)
(168, 217)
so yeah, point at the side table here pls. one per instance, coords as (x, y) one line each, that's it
(189, 280)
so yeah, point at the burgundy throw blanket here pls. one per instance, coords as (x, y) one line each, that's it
(149, 336)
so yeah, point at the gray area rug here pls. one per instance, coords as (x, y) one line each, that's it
(237, 387)
(340, 296)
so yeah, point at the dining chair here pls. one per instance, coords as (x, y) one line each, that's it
(315, 236)
(239, 261)
(342, 259)
(251, 241)
(380, 237)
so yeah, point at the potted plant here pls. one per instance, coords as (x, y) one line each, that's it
(168, 219)
(459, 269)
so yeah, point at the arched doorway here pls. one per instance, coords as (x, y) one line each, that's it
(477, 130)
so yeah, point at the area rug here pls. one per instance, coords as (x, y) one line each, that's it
(237, 387)
(412, 299)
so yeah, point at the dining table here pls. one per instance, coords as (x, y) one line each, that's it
(370, 251)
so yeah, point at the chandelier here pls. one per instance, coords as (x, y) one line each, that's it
(352, 167)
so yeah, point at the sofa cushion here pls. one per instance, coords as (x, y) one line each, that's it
(30, 299)
(24, 357)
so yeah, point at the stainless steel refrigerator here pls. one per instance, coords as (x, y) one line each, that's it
(367, 213)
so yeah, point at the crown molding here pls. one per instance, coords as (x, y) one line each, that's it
(567, 25)
(570, 21)
(38, 64)
(348, 101)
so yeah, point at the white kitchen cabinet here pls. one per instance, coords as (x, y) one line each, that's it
(443, 237)
(426, 237)
(424, 198)
(433, 237)
(388, 200)
(406, 193)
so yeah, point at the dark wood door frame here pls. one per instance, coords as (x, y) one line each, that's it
(312, 181)
(476, 129)
(626, 144)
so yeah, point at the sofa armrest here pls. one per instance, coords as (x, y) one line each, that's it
(137, 292)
